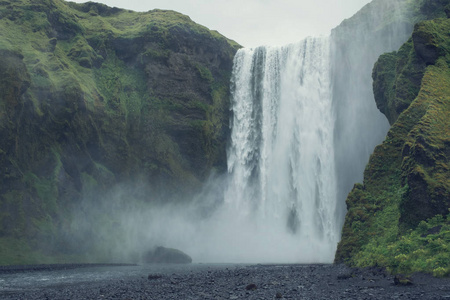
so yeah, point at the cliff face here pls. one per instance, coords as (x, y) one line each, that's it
(379, 27)
(92, 96)
(397, 217)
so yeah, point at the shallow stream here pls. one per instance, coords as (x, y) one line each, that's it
(13, 280)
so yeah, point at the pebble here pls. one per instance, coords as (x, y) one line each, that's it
(251, 282)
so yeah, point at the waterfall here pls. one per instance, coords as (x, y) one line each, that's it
(281, 159)
(303, 127)
(304, 123)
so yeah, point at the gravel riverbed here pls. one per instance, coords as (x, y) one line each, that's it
(225, 282)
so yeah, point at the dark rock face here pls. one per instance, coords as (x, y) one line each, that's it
(396, 82)
(423, 201)
(162, 255)
(424, 45)
(92, 97)
(397, 76)
(434, 8)
(15, 79)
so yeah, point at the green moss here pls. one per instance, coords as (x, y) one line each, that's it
(205, 73)
(46, 188)
(424, 249)
(156, 54)
(424, 162)
(122, 89)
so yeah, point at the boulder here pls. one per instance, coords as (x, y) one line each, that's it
(162, 255)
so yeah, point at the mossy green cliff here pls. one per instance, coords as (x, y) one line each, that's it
(92, 96)
(399, 216)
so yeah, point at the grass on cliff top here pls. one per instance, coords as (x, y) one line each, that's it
(25, 31)
(130, 23)
(94, 17)
(56, 63)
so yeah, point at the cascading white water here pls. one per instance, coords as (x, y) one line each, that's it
(281, 159)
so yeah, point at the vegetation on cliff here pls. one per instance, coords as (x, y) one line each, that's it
(380, 26)
(91, 96)
(399, 216)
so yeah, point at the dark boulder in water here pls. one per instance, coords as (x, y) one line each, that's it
(162, 255)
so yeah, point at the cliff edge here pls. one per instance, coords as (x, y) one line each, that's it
(399, 216)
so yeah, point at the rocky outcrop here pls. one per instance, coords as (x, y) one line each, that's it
(396, 82)
(93, 96)
(425, 151)
(380, 26)
(406, 188)
(163, 255)
(398, 76)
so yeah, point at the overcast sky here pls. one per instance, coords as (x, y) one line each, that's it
(253, 23)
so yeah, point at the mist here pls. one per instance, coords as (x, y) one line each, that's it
(119, 227)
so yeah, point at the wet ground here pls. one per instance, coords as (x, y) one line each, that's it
(199, 281)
